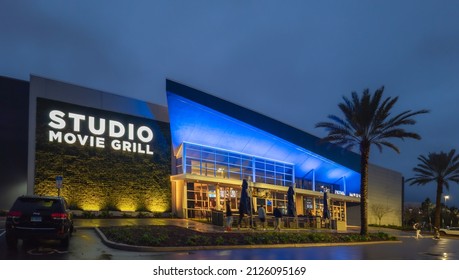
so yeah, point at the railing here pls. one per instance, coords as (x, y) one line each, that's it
(303, 222)
(300, 222)
(287, 222)
(199, 214)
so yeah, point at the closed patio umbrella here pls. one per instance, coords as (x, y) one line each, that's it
(326, 213)
(291, 210)
(244, 201)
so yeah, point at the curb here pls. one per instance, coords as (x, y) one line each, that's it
(126, 247)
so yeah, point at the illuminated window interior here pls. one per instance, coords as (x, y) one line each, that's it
(211, 162)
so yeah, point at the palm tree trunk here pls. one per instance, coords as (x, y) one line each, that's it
(437, 221)
(364, 159)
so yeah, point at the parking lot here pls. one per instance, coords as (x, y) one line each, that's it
(87, 245)
(84, 245)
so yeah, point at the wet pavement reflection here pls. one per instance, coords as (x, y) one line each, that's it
(86, 245)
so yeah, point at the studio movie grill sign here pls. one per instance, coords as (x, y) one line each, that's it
(121, 137)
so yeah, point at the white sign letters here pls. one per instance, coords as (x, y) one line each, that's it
(127, 138)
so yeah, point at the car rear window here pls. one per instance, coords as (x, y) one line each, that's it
(29, 204)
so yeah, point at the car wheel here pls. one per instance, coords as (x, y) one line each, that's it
(11, 241)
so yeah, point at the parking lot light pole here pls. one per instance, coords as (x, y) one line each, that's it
(446, 197)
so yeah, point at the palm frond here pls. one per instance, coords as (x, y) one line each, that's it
(367, 118)
(437, 167)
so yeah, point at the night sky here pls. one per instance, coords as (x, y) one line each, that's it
(290, 60)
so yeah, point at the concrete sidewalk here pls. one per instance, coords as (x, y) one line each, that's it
(196, 225)
(200, 226)
(203, 227)
(94, 223)
(186, 223)
(206, 227)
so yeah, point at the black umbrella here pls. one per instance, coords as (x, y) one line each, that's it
(244, 201)
(326, 213)
(290, 202)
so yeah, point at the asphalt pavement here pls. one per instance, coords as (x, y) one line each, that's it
(87, 245)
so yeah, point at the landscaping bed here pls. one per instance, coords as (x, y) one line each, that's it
(173, 236)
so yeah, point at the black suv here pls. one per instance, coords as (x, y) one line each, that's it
(38, 217)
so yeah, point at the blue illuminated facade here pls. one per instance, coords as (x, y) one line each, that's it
(216, 144)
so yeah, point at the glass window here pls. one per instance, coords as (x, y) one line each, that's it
(235, 168)
(234, 160)
(208, 156)
(279, 168)
(195, 170)
(260, 172)
(269, 166)
(210, 172)
(193, 153)
(259, 165)
(270, 181)
(221, 157)
(280, 179)
(235, 176)
(235, 172)
(260, 175)
(221, 171)
(246, 172)
(246, 162)
(260, 179)
(210, 162)
(178, 166)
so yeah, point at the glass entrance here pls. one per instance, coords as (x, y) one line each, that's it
(202, 198)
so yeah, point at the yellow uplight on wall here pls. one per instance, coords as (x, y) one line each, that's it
(127, 204)
(157, 207)
(90, 206)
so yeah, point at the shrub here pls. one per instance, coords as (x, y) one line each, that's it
(141, 215)
(105, 214)
(198, 240)
(88, 215)
(220, 240)
(164, 236)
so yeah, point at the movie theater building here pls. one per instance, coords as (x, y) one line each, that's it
(216, 144)
(117, 153)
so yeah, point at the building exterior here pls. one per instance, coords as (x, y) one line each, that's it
(217, 144)
(117, 153)
(113, 152)
(14, 116)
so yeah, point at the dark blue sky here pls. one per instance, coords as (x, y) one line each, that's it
(290, 60)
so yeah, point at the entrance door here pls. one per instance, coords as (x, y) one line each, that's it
(231, 194)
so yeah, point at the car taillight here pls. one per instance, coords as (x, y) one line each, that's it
(59, 216)
(14, 214)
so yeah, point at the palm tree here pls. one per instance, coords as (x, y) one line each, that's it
(440, 168)
(426, 207)
(454, 215)
(368, 121)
